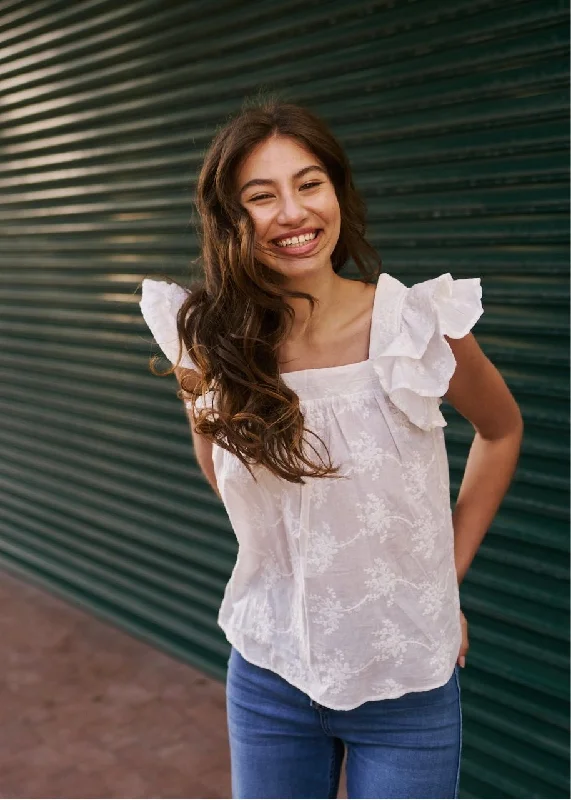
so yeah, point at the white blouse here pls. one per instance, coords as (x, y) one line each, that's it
(347, 588)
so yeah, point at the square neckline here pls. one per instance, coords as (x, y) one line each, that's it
(353, 364)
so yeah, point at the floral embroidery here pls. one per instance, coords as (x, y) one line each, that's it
(319, 492)
(390, 688)
(336, 672)
(368, 456)
(377, 518)
(262, 622)
(425, 534)
(432, 599)
(327, 611)
(383, 581)
(271, 572)
(415, 474)
(445, 653)
(322, 546)
(390, 642)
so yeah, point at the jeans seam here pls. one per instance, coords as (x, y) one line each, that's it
(331, 768)
(456, 789)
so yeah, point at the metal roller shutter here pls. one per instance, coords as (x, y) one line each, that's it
(455, 118)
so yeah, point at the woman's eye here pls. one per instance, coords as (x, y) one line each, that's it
(309, 185)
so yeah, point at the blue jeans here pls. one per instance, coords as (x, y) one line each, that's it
(284, 745)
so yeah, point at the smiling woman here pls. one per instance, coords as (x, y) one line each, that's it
(343, 608)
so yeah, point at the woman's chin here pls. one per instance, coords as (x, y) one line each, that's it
(301, 269)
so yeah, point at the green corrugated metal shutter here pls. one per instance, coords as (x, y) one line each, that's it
(455, 118)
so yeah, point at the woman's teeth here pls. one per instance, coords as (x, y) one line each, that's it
(297, 240)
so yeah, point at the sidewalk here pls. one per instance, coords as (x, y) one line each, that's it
(88, 712)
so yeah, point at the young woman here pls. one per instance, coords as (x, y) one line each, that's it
(314, 403)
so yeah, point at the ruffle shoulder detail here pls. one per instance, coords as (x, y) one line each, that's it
(413, 360)
(159, 304)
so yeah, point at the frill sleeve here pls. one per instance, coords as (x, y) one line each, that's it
(415, 362)
(159, 304)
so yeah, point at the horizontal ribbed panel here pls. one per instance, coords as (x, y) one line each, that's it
(455, 118)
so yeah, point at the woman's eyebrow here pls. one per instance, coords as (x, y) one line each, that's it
(266, 182)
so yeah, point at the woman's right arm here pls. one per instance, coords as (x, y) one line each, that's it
(202, 446)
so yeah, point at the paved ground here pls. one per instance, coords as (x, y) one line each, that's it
(86, 711)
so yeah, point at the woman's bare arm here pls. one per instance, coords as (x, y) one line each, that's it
(202, 446)
(480, 394)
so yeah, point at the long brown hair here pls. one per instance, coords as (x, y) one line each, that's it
(234, 319)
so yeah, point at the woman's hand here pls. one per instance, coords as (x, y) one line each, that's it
(465, 644)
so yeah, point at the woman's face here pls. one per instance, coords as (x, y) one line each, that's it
(287, 193)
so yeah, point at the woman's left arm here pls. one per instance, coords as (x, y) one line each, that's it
(479, 393)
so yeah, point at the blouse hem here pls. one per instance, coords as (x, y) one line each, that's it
(346, 707)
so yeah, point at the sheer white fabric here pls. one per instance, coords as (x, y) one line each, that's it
(347, 587)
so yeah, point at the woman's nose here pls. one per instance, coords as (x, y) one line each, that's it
(290, 210)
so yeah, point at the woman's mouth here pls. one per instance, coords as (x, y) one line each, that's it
(298, 245)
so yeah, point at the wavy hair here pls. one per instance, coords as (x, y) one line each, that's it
(235, 319)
